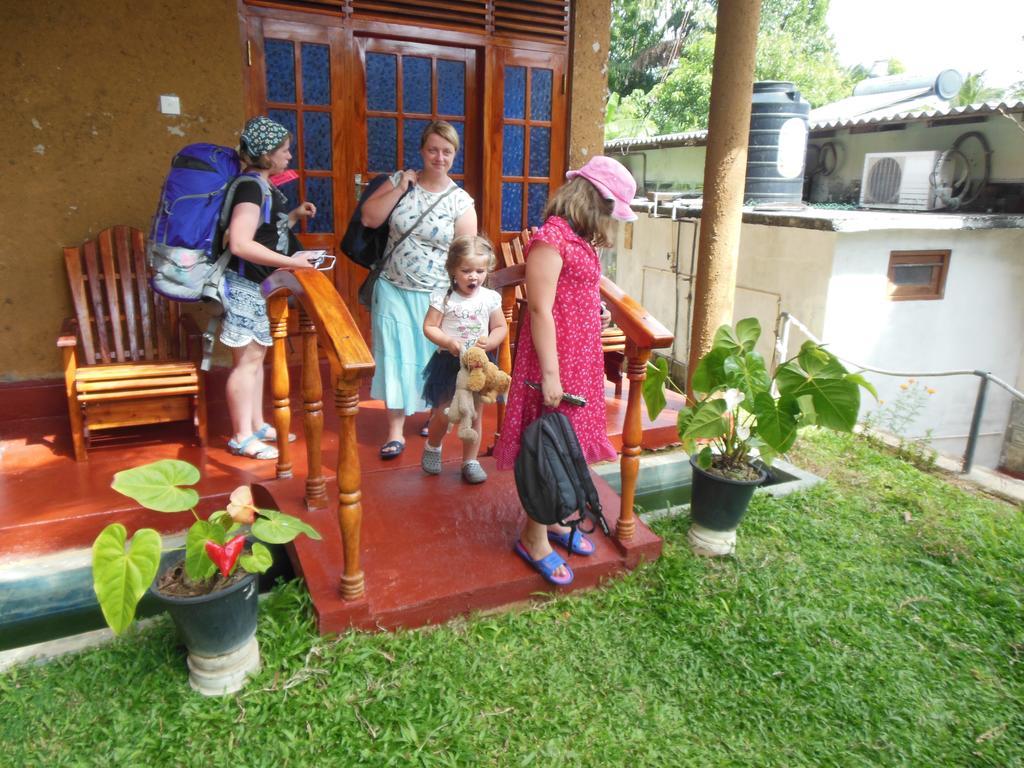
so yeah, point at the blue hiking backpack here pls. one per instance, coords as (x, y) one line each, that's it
(184, 250)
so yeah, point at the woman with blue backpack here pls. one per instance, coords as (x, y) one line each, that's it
(258, 236)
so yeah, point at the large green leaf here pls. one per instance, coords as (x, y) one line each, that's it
(748, 374)
(859, 380)
(198, 564)
(819, 362)
(836, 402)
(156, 486)
(776, 425)
(654, 387)
(120, 577)
(748, 331)
(276, 527)
(709, 374)
(706, 421)
(741, 338)
(257, 562)
(704, 458)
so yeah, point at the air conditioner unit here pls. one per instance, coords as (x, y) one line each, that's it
(899, 180)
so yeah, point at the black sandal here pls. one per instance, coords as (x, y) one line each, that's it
(392, 449)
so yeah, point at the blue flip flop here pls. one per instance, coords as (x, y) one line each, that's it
(547, 566)
(578, 542)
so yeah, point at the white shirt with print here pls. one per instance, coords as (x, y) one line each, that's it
(418, 263)
(466, 318)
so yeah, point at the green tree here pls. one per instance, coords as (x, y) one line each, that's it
(1015, 92)
(630, 116)
(646, 36)
(974, 91)
(794, 43)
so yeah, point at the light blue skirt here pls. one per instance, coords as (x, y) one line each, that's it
(400, 349)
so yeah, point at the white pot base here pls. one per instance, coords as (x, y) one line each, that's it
(708, 543)
(217, 675)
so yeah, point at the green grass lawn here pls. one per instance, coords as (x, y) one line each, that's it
(875, 620)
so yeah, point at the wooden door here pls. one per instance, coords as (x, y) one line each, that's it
(298, 77)
(528, 135)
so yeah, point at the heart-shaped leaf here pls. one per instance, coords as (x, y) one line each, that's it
(198, 564)
(704, 458)
(748, 374)
(654, 387)
(836, 402)
(709, 374)
(819, 362)
(121, 578)
(775, 425)
(258, 561)
(156, 485)
(707, 421)
(276, 527)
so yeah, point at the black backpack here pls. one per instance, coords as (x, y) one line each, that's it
(364, 245)
(553, 479)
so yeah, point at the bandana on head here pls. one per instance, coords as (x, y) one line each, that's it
(261, 135)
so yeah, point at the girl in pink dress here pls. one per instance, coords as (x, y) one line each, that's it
(560, 339)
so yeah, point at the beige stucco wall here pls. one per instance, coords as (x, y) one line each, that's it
(780, 268)
(85, 142)
(591, 33)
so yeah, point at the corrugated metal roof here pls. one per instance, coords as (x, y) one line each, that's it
(625, 145)
(917, 115)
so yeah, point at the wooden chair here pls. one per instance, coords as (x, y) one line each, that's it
(613, 341)
(130, 356)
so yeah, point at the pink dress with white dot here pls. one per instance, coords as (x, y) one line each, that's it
(577, 314)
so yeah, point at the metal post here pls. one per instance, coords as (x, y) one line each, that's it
(979, 406)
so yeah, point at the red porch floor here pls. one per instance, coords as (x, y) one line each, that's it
(432, 547)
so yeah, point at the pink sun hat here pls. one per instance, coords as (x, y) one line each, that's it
(613, 181)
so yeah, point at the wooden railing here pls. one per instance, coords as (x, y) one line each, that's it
(643, 333)
(323, 316)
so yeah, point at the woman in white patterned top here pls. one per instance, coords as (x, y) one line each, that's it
(415, 267)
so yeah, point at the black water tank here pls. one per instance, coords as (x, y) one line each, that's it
(777, 145)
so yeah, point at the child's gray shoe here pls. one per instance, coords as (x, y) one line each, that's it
(473, 473)
(431, 461)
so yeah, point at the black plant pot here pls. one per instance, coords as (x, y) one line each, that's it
(219, 630)
(719, 503)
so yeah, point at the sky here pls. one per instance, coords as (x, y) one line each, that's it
(931, 35)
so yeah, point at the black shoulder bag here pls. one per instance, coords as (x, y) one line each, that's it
(366, 289)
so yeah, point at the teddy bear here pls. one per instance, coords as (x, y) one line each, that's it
(469, 382)
(496, 383)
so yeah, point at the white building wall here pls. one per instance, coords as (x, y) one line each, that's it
(976, 325)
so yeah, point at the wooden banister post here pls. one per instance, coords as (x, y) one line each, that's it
(632, 434)
(313, 414)
(277, 309)
(350, 507)
(508, 302)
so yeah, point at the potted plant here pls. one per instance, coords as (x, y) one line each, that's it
(741, 418)
(211, 594)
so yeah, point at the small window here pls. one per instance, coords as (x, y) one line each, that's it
(917, 275)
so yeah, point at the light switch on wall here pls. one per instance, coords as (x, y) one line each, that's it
(170, 104)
